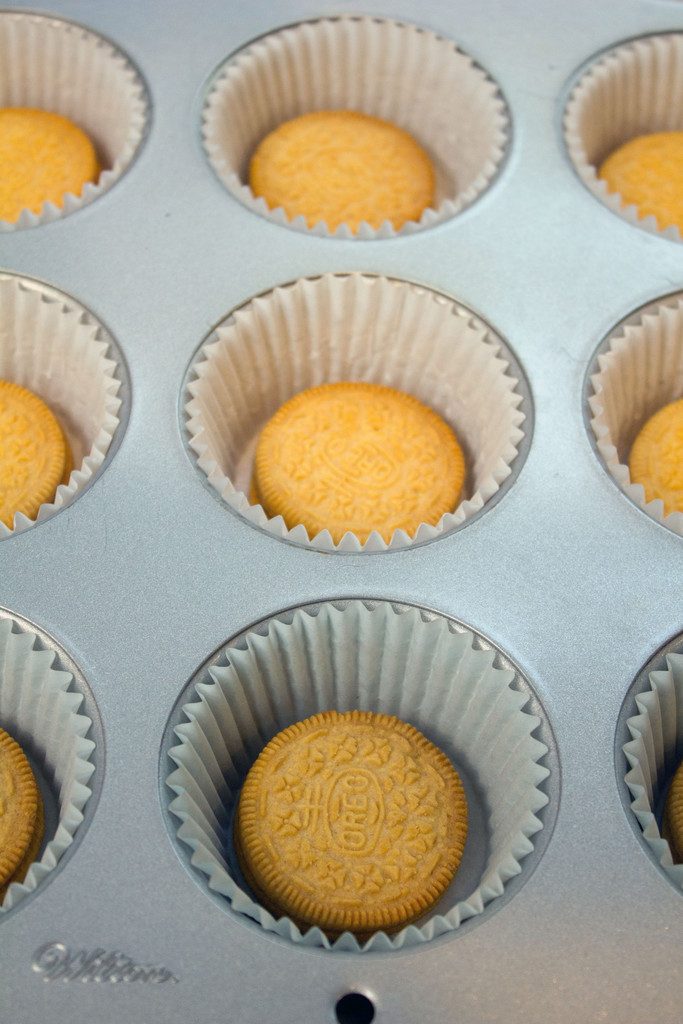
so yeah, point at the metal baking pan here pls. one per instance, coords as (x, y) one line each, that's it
(147, 574)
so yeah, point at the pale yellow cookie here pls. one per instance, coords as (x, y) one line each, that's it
(648, 172)
(357, 457)
(32, 850)
(351, 822)
(34, 454)
(673, 816)
(18, 806)
(42, 156)
(656, 459)
(343, 167)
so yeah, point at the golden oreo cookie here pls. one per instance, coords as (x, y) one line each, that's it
(656, 459)
(33, 453)
(43, 156)
(343, 167)
(673, 816)
(18, 807)
(648, 172)
(357, 457)
(351, 822)
(32, 850)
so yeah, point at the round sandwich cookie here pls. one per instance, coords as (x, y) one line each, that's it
(357, 457)
(656, 459)
(19, 803)
(648, 172)
(34, 455)
(43, 156)
(32, 850)
(352, 822)
(673, 816)
(343, 167)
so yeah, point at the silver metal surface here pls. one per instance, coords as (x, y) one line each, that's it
(146, 574)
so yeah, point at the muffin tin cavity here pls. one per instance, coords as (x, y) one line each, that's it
(649, 748)
(47, 707)
(363, 328)
(634, 89)
(395, 71)
(637, 369)
(60, 67)
(56, 348)
(432, 672)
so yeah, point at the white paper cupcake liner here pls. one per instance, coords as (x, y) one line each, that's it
(640, 372)
(352, 327)
(372, 656)
(51, 346)
(40, 709)
(654, 753)
(633, 89)
(398, 72)
(63, 68)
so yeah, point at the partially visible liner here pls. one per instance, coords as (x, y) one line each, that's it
(41, 711)
(60, 67)
(54, 349)
(641, 372)
(654, 753)
(371, 656)
(352, 327)
(395, 71)
(634, 89)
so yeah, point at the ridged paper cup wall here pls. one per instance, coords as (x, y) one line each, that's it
(653, 753)
(41, 709)
(52, 346)
(633, 89)
(398, 72)
(352, 327)
(640, 371)
(65, 69)
(372, 656)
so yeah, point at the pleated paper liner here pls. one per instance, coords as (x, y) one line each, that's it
(395, 71)
(653, 754)
(633, 89)
(42, 710)
(379, 657)
(60, 67)
(353, 327)
(640, 371)
(55, 348)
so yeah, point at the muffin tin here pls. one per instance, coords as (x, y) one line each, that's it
(149, 575)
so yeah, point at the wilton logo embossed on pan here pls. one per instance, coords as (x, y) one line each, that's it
(55, 962)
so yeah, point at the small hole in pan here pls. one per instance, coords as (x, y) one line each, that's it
(354, 1008)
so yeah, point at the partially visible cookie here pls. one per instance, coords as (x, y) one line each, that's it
(33, 452)
(673, 816)
(43, 156)
(647, 172)
(19, 801)
(32, 850)
(343, 167)
(358, 457)
(656, 459)
(351, 821)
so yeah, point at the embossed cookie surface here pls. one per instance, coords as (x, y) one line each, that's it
(343, 167)
(648, 172)
(357, 457)
(673, 815)
(32, 850)
(33, 453)
(351, 822)
(656, 459)
(43, 156)
(18, 806)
